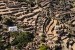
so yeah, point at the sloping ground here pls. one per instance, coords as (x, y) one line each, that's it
(50, 28)
(30, 14)
(64, 44)
(47, 28)
(51, 33)
(34, 17)
(31, 20)
(19, 11)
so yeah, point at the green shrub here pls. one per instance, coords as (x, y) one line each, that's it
(43, 39)
(11, 18)
(9, 47)
(43, 35)
(14, 34)
(1, 43)
(8, 21)
(58, 47)
(43, 47)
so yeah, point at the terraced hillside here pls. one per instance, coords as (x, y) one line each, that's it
(52, 22)
(21, 11)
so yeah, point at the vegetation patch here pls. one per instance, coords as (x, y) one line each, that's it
(8, 22)
(22, 39)
(1, 43)
(43, 47)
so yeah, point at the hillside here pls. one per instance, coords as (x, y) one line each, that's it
(37, 24)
